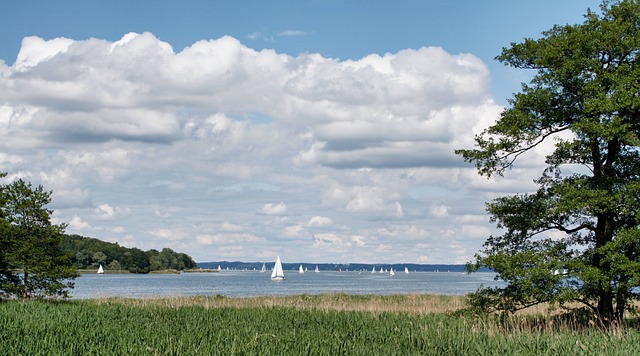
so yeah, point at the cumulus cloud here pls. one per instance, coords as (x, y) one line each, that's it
(379, 111)
(195, 142)
(76, 224)
(295, 231)
(440, 211)
(107, 212)
(320, 221)
(274, 209)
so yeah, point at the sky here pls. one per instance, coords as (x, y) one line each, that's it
(320, 131)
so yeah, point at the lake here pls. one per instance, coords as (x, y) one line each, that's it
(237, 283)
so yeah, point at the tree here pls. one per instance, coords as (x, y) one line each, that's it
(35, 264)
(585, 94)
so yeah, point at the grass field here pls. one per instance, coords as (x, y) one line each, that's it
(296, 325)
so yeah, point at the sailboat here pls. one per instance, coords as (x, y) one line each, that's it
(373, 270)
(278, 273)
(406, 270)
(264, 268)
(300, 270)
(317, 270)
(100, 270)
(392, 273)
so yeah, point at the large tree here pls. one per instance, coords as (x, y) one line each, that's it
(583, 220)
(32, 263)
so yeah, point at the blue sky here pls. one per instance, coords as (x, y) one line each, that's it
(338, 29)
(321, 131)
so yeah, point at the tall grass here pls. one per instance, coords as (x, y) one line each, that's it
(207, 326)
(412, 303)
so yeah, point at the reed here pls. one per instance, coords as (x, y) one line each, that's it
(412, 304)
(292, 326)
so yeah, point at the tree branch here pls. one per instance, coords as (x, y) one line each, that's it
(518, 152)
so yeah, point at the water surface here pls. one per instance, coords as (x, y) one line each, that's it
(253, 283)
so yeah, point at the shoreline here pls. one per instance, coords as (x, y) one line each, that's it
(163, 271)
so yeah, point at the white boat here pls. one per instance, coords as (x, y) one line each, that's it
(301, 270)
(406, 270)
(391, 272)
(264, 268)
(317, 270)
(219, 268)
(277, 274)
(100, 270)
(373, 270)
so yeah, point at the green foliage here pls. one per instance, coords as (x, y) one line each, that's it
(99, 328)
(31, 262)
(89, 253)
(584, 95)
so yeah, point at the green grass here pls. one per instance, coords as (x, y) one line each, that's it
(121, 327)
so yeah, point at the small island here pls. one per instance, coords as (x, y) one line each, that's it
(87, 254)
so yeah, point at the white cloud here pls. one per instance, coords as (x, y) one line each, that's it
(76, 224)
(226, 239)
(320, 221)
(35, 50)
(292, 33)
(295, 231)
(197, 147)
(107, 212)
(274, 209)
(169, 234)
(440, 211)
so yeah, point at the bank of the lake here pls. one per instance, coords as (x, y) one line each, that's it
(206, 326)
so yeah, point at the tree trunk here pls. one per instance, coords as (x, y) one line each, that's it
(605, 306)
(621, 303)
(604, 235)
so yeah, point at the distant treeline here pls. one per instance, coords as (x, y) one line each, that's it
(89, 253)
(412, 267)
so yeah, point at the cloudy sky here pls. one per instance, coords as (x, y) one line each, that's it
(320, 131)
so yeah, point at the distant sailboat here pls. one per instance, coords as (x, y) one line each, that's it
(219, 268)
(301, 270)
(278, 273)
(264, 268)
(391, 272)
(100, 270)
(406, 270)
(373, 270)
(317, 270)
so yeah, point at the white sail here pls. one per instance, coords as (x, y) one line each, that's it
(373, 270)
(278, 273)
(100, 270)
(392, 273)
(406, 270)
(219, 268)
(317, 270)
(264, 268)
(301, 270)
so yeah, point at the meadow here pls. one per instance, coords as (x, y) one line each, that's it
(295, 325)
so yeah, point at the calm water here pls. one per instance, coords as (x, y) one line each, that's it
(254, 283)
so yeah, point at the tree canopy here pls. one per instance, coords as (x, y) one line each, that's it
(89, 253)
(31, 261)
(577, 237)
